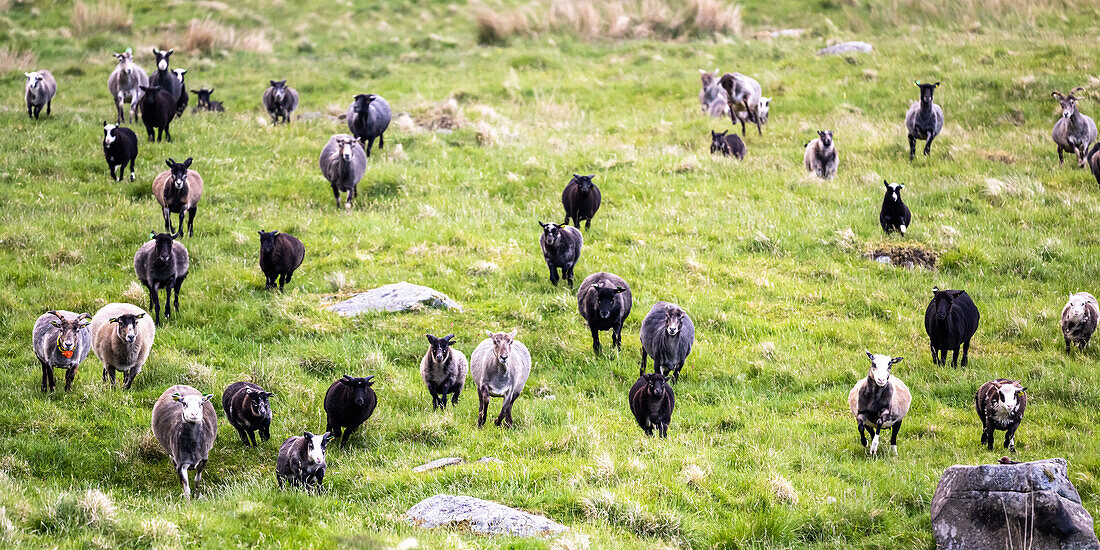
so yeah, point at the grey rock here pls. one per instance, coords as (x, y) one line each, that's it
(439, 463)
(845, 47)
(490, 459)
(982, 506)
(480, 516)
(394, 297)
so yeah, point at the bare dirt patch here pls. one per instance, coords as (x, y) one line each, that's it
(904, 256)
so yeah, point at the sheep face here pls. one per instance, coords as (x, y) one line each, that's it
(178, 179)
(33, 79)
(1076, 309)
(552, 233)
(1068, 102)
(1006, 397)
(67, 331)
(674, 321)
(718, 142)
(179, 74)
(108, 133)
(162, 250)
(605, 299)
(926, 92)
(762, 109)
(655, 384)
(267, 241)
(893, 191)
(279, 91)
(708, 78)
(359, 387)
(150, 95)
(440, 347)
(126, 326)
(126, 59)
(315, 447)
(942, 301)
(502, 344)
(826, 137)
(162, 58)
(203, 94)
(192, 406)
(260, 406)
(363, 101)
(880, 368)
(346, 146)
(584, 183)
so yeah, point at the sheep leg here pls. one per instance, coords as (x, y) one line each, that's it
(53, 379)
(381, 141)
(154, 302)
(553, 273)
(482, 405)
(270, 281)
(198, 473)
(167, 134)
(617, 336)
(252, 437)
(454, 396)
(49, 105)
(111, 380)
(644, 357)
(333, 429)
(505, 415)
(985, 431)
(569, 277)
(112, 167)
(264, 433)
(966, 352)
(1010, 438)
(1082, 344)
(181, 471)
(596, 341)
(180, 224)
(912, 147)
(894, 437)
(70, 375)
(1060, 159)
(435, 401)
(347, 434)
(862, 434)
(662, 428)
(128, 378)
(1068, 345)
(988, 436)
(37, 111)
(283, 278)
(191, 220)
(244, 436)
(370, 143)
(928, 145)
(588, 224)
(955, 358)
(336, 194)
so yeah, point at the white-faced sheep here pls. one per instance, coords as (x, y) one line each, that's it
(280, 101)
(712, 96)
(1079, 319)
(561, 248)
(301, 461)
(744, 92)
(39, 92)
(122, 335)
(181, 101)
(178, 190)
(499, 367)
(924, 120)
(185, 425)
(667, 336)
(820, 157)
(368, 117)
(61, 340)
(652, 402)
(894, 215)
(879, 400)
(162, 263)
(443, 370)
(1000, 404)
(604, 301)
(1074, 132)
(164, 78)
(125, 83)
(343, 164)
(120, 146)
(247, 407)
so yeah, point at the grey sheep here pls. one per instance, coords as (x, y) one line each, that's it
(125, 84)
(1074, 132)
(924, 120)
(343, 164)
(821, 158)
(122, 335)
(61, 340)
(1079, 319)
(162, 263)
(186, 426)
(712, 96)
(280, 101)
(301, 461)
(499, 367)
(39, 92)
(667, 336)
(744, 92)
(368, 117)
(561, 248)
(443, 370)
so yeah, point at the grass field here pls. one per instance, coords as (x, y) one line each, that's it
(770, 263)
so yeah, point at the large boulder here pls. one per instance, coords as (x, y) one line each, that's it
(984, 506)
(845, 48)
(395, 297)
(480, 516)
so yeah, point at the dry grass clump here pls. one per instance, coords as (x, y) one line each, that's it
(98, 507)
(204, 35)
(159, 533)
(16, 60)
(7, 527)
(99, 17)
(784, 490)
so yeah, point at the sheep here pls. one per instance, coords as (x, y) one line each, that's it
(950, 321)
(879, 400)
(120, 146)
(39, 91)
(247, 407)
(581, 200)
(178, 191)
(561, 248)
(651, 401)
(204, 103)
(122, 335)
(924, 120)
(349, 402)
(181, 101)
(343, 163)
(1074, 132)
(1000, 404)
(1093, 158)
(157, 110)
(727, 145)
(894, 214)
(280, 255)
(667, 335)
(821, 158)
(744, 91)
(280, 100)
(162, 263)
(125, 83)
(1079, 319)
(301, 461)
(712, 96)
(368, 118)
(499, 367)
(61, 340)
(164, 77)
(186, 426)
(443, 370)
(604, 301)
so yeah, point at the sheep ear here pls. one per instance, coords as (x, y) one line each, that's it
(896, 360)
(170, 51)
(901, 186)
(885, 183)
(129, 50)
(169, 161)
(935, 289)
(1022, 390)
(917, 82)
(112, 320)
(701, 71)
(936, 85)
(514, 332)
(187, 163)
(272, 82)
(619, 290)
(1056, 94)
(329, 437)
(489, 332)
(870, 355)
(369, 379)
(431, 339)
(450, 338)
(176, 397)
(207, 397)
(139, 315)
(152, 235)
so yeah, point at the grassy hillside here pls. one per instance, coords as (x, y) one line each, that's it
(770, 263)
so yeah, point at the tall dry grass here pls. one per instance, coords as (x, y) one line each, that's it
(13, 60)
(206, 36)
(90, 18)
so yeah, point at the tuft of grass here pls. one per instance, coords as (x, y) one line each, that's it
(783, 490)
(160, 533)
(206, 36)
(99, 17)
(12, 59)
(8, 531)
(97, 506)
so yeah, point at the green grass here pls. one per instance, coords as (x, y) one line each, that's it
(758, 252)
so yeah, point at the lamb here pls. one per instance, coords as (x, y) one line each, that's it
(343, 164)
(181, 101)
(1000, 404)
(1079, 319)
(280, 101)
(499, 367)
(581, 200)
(745, 92)
(125, 84)
(879, 401)
(443, 370)
(368, 117)
(652, 401)
(247, 407)
(178, 191)
(561, 248)
(204, 103)
(924, 120)
(122, 335)
(301, 461)
(186, 426)
(39, 92)
(950, 321)
(667, 335)
(280, 255)
(727, 145)
(120, 146)
(894, 214)
(1074, 132)
(821, 157)
(604, 302)
(712, 96)
(349, 402)
(162, 263)
(164, 77)
(157, 110)
(61, 340)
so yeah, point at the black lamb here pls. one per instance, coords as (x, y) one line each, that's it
(349, 402)
(652, 401)
(248, 409)
(581, 200)
(894, 214)
(280, 255)
(950, 320)
(561, 248)
(727, 145)
(120, 146)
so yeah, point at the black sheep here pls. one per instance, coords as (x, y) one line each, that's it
(581, 200)
(561, 248)
(1000, 405)
(301, 461)
(894, 215)
(204, 103)
(349, 402)
(604, 301)
(182, 99)
(950, 320)
(157, 110)
(730, 146)
(280, 255)
(652, 401)
(247, 408)
(1093, 160)
(120, 146)
(164, 78)
(162, 262)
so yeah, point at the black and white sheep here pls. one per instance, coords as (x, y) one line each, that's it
(122, 335)
(162, 263)
(61, 340)
(1074, 132)
(39, 92)
(950, 321)
(894, 214)
(280, 100)
(604, 301)
(727, 145)
(581, 200)
(879, 400)
(368, 117)
(499, 367)
(1079, 319)
(204, 103)
(181, 101)
(924, 120)
(164, 78)
(120, 146)
(157, 111)
(712, 96)
(820, 157)
(301, 461)
(343, 164)
(247, 407)
(443, 370)
(186, 426)
(667, 336)
(280, 255)
(744, 92)
(178, 190)
(349, 402)
(125, 83)
(561, 248)
(652, 401)
(1000, 404)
